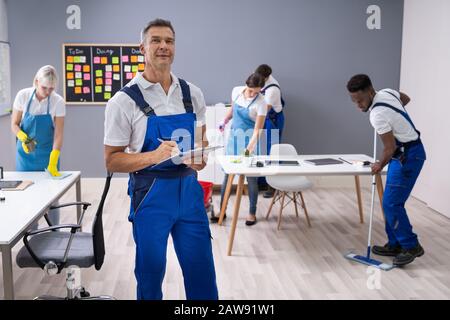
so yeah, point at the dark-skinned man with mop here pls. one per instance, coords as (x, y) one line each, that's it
(405, 154)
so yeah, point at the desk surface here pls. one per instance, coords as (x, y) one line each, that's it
(303, 169)
(21, 207)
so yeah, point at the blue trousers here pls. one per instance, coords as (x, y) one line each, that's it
(172, 206)
(252, 192)
(401, 177)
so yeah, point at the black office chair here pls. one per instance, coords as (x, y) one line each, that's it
(53, 250)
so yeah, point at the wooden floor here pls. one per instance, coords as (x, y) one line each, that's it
(296, 262)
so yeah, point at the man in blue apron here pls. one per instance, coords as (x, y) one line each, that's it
(274, 123)
(38, 123)
(146, 122)
(404, 152)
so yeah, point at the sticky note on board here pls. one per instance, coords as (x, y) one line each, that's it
(78, 75)
(98, 89)
(134, 59)
(107, 95)
(86, 90)
(108, 81)
(134, 68)
(77, 90)
(96, 59)
(124, 58)
(127, 68)
(69, 67)
(87, 76)
(69, 75)
(78, 82)
(98, 73)
(107, 88)
(140, 58)
(99, 81)
(116, 68)
(141, 67)
(82, 59)
(116, 76)
(76, 59)
(108, 67)
(86, 68)
(129, 75)
(108, 75)
(69, 59)
(115, 60)
(71, 83)
(104, 60)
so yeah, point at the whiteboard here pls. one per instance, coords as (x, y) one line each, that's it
(5, 79)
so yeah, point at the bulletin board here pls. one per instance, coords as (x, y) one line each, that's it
(93, 73)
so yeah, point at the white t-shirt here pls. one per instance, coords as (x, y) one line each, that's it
(384, 119)
(257, 108)
(273, 94)
(126, 124)
(57, 104)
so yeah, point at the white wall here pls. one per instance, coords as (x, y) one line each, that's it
(425, 76)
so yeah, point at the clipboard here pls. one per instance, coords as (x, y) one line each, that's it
(181, 157)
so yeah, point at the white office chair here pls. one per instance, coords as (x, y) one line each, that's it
(287, 186)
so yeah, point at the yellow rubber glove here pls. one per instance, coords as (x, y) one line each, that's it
(22, 136)
(53, 162)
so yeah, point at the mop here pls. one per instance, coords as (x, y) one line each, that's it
(366, 259)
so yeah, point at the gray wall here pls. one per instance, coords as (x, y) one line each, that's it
(314, 46)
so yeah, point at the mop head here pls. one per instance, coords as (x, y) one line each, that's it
(369, 262)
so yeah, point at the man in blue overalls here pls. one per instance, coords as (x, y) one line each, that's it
(149, 120)
(404, 152)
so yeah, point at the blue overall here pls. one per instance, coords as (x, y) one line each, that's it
(241, 132)
(274, 121)
(39, 127)
(404, 168)
(170, 200)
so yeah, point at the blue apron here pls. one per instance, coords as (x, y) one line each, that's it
(170, 201)
(241, 129)
(40, 128)
(274, 121)
(403, 171)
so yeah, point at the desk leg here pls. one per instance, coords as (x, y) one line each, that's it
(226, 197)
(380, 189)
(8, 283)
(237, 205)
(358, 194)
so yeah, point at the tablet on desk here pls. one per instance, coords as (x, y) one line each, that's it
(13, 186)
(9, 184)
(323, 162)
(282, 163)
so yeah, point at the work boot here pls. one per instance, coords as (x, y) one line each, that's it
(269, 193)
(387, 250)
(408, 256)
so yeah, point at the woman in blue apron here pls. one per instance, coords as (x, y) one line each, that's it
(248, 112)
(38, 123)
